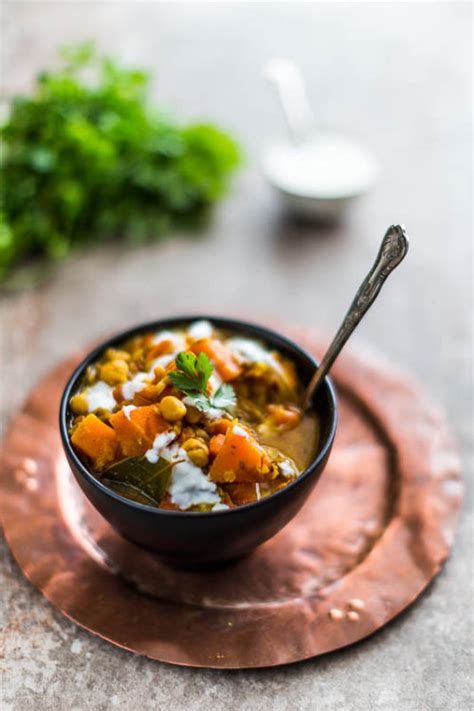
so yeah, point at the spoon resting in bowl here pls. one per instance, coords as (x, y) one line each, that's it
(392, 251)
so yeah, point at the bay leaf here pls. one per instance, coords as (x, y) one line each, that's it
(130, 492)
(136, 476)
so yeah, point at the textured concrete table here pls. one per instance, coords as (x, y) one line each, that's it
(397, 75)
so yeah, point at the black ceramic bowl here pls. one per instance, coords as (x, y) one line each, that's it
(210, 537)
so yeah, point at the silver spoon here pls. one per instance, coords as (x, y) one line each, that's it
(392, 251)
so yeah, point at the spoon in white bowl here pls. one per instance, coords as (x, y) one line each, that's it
(392, 251)
(290, 87)
(318, 171)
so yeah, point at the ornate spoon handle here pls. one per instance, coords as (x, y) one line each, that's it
(392, 250)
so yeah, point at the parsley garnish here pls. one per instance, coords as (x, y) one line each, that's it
(192, 376)
(85, 158)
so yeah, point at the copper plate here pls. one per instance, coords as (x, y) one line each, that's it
(374, 533)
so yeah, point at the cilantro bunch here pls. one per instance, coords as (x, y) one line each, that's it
(84, 160)
(192, 376)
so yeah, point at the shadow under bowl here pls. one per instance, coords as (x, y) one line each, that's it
(206, 538)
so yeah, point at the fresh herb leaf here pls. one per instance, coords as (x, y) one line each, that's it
(183, 382)
(204, 370)
(130, 492)
(186, 362)
(148, 479)
(83, 159)
(192, 373)
(192, 376)
(201, 402)
(224, 398)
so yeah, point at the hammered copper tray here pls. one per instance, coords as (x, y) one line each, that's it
(373, 534)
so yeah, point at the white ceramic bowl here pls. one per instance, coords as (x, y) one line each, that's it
(320, 176)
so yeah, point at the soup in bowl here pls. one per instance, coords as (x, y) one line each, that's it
(189, 435)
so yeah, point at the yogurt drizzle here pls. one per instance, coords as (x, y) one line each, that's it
(99, 395)
(189, 485)
(248, 351)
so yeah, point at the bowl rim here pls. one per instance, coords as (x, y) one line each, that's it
(256, 330)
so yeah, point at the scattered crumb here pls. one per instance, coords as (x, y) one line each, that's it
(31, 484)
(29, 466)
(76, 646)
(356, 603)
(336, 614)
(353, 616)
(371, 528)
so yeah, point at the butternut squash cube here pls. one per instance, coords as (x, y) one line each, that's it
(96, 440)
(240, 458)
(136, 432)
(220, 355)
(149, 420)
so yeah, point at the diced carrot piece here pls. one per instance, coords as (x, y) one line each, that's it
(220, 355)
(239, 459)
(157, 350)
(95, 439)
(285, 417)
(244, 493)
(160, 348)
(148, 395)
(132, 440)
(215, 444)
(166, 503)
(136, 434)
(148, 418)
(117, 393)
(219, 426)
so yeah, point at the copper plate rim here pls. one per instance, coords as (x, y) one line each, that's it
(433, 507)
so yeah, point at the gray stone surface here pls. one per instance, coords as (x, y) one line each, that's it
(395, 74)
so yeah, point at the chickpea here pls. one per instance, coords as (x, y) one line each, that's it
(79, 404)
(193, 443)
(198, 452)
(114, 372)
(172, 409)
